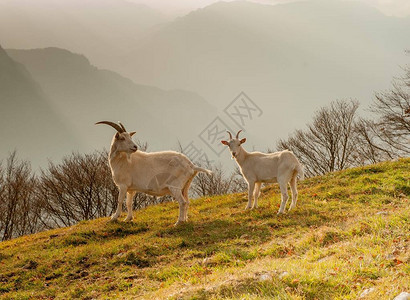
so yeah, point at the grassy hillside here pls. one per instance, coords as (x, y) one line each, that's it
(348, 236)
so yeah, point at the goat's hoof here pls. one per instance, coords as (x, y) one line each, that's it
(113, 219)
(179, 222)
(280, 213)
(247, 207)
(128, 219)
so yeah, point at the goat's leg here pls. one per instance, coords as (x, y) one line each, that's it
(177, 194)
(294, 191)
(284, 196)
(256, 194)
(185, 195)
(251, 187)
(121, 196)
(130, 198)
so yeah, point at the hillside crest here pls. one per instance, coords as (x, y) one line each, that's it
(349, 233)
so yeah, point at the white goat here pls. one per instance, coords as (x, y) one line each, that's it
(156, 173)
(257, 168)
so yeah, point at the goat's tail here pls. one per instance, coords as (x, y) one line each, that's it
(299, 170)
(199, 169)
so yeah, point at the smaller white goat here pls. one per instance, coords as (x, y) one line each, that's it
(257, 168)
(157, 173)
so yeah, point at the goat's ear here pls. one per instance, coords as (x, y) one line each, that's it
(117, 135)
(225, 143)
(243, 140)
(132, 133)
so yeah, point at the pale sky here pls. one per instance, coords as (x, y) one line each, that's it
(398, 8)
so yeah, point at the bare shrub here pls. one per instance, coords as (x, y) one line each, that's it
(217, 183)
(79, 188)
(328, 143)
(19, 210)
(391, 128)
(369, 148)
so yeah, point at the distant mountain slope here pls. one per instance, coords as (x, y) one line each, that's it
(289, 58)
(100, 29)
(85, 94)
(250, 40)
(348, 234)
(28, 121)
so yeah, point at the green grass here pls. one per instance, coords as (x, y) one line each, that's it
(350, 232)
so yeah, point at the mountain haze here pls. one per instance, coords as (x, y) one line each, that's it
(85, 94)
(399, 8)
(291, 57)
(28, 121)
(99, 29)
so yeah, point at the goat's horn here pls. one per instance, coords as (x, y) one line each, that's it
(112, 124)
(230, 134)
(237, 135)
(122, 126)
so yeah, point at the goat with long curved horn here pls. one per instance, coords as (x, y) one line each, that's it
(237, 135)
(138, 171)
(112, 124)
(230, 135)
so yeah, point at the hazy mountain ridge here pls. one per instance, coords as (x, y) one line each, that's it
(98, 28)
(28, 121)
(219, 30)
(291, 57)
(85, 94)
(178, 7)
